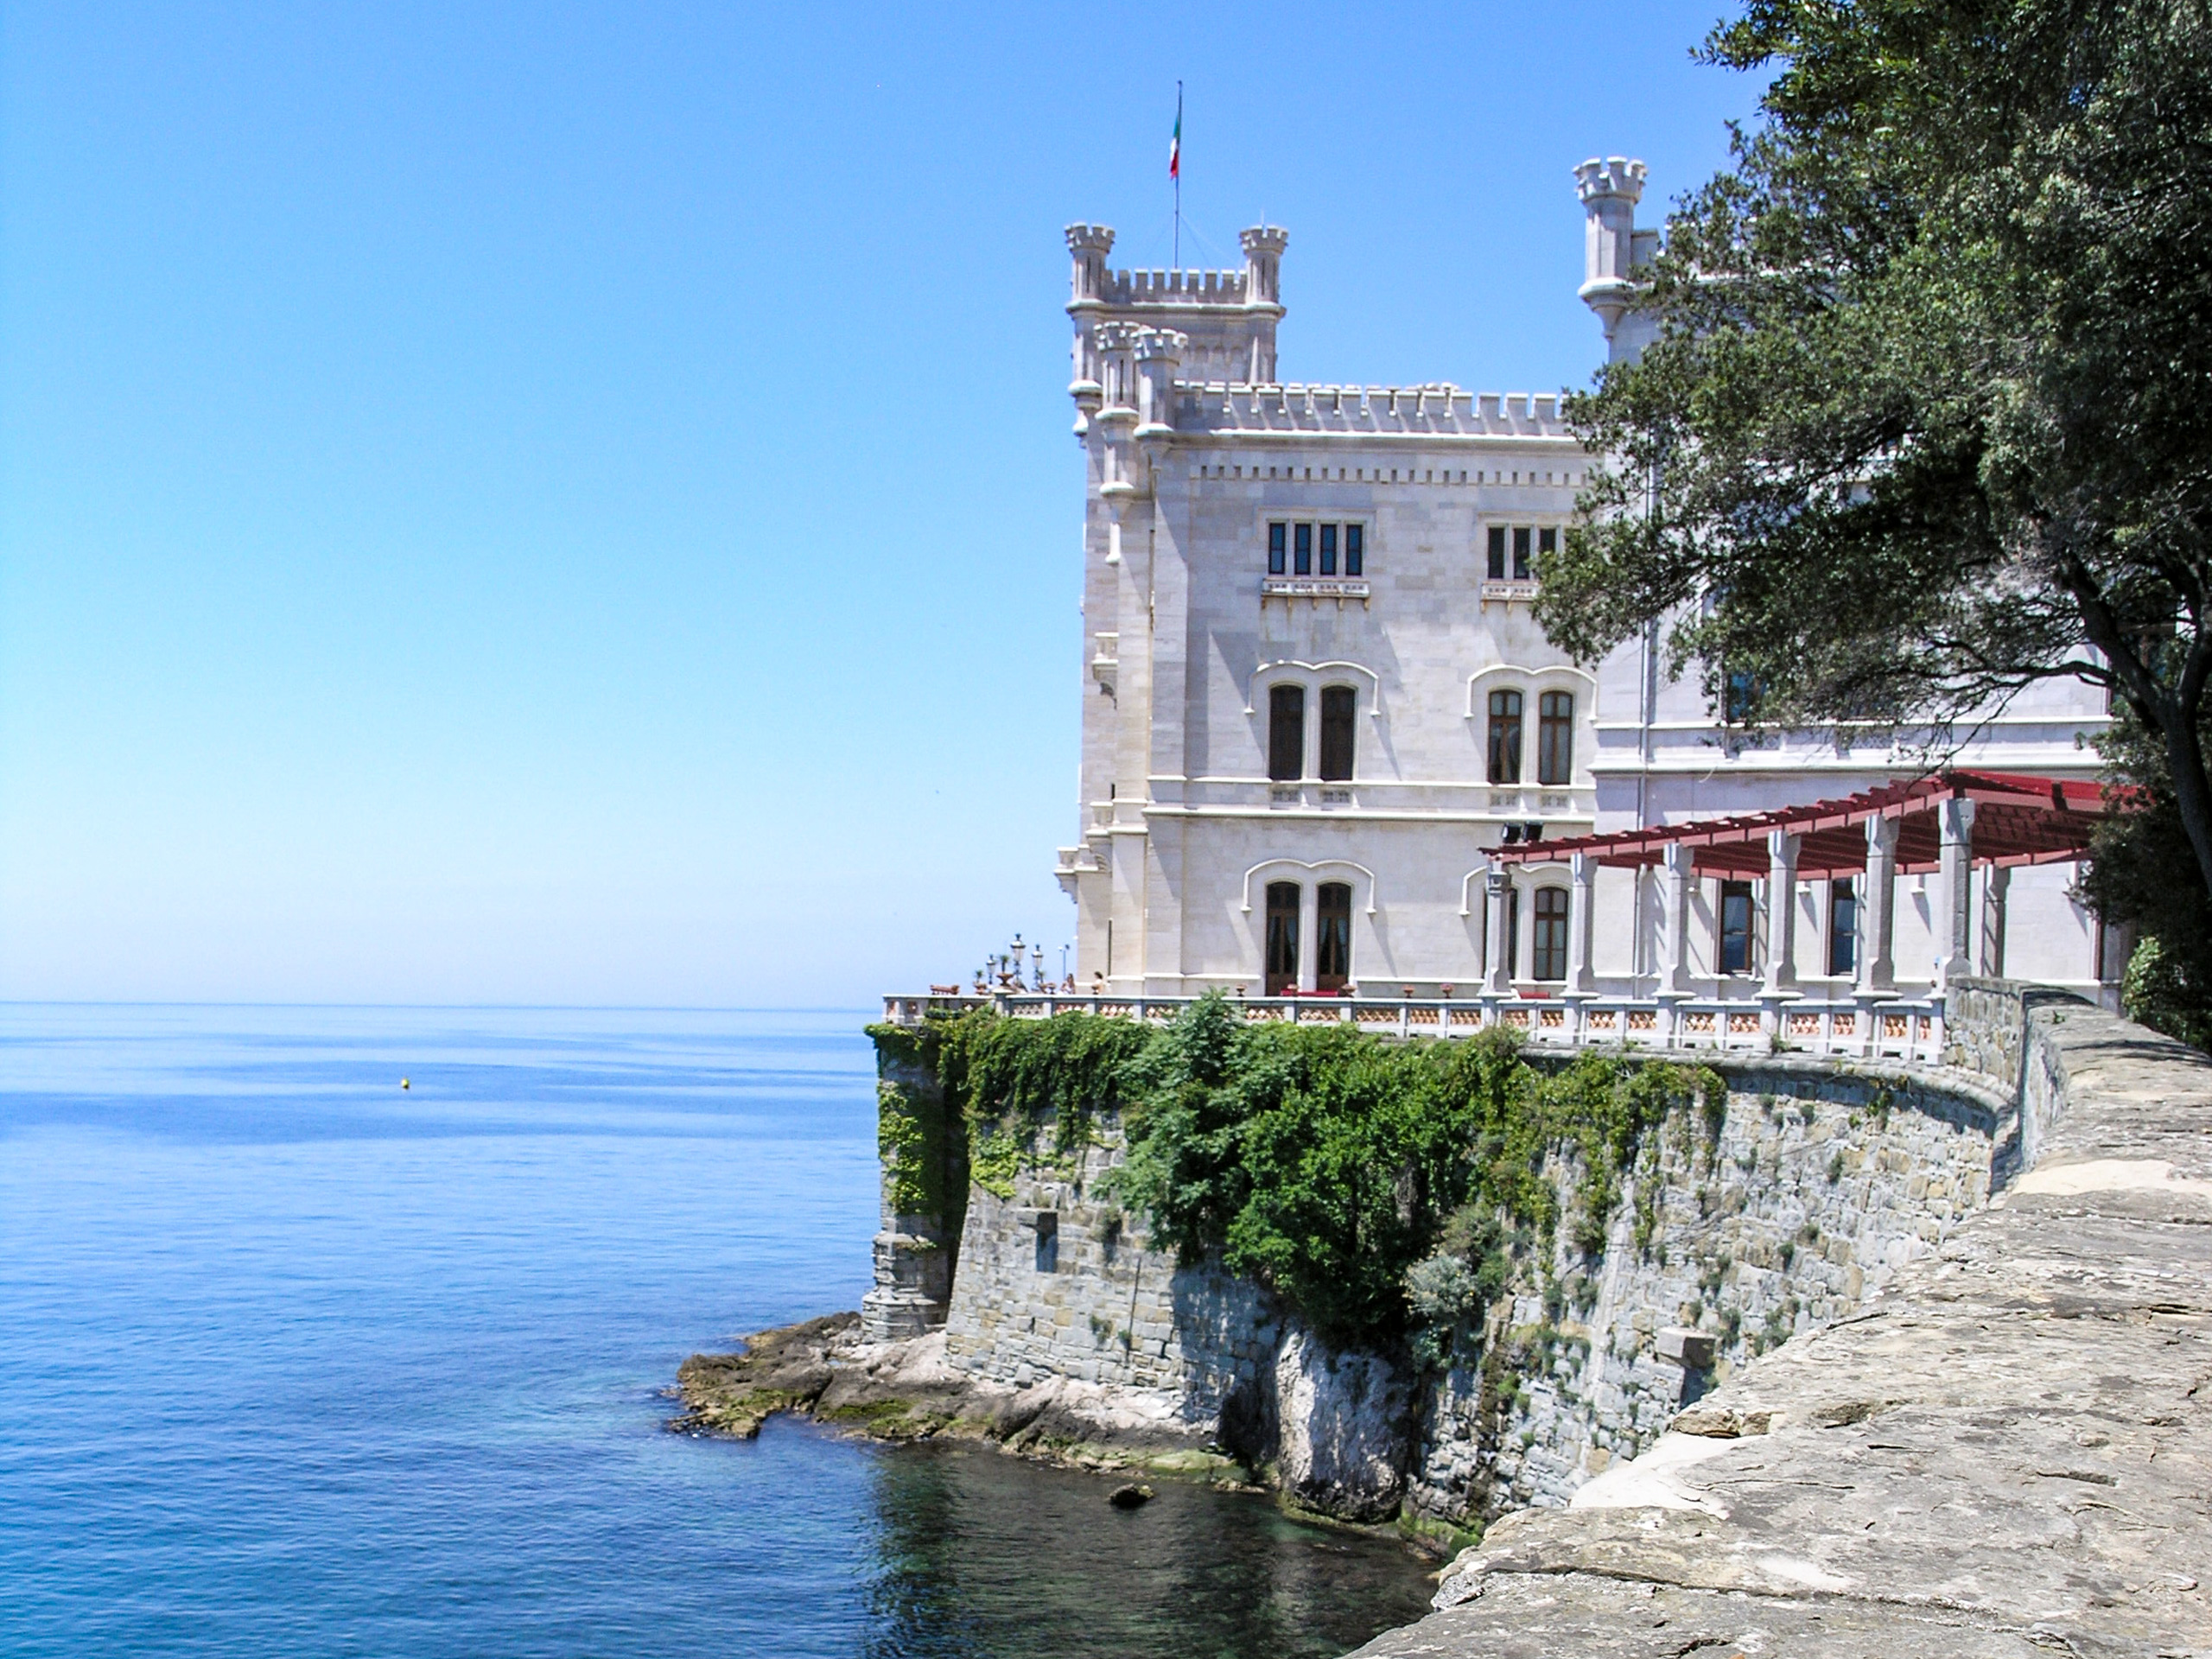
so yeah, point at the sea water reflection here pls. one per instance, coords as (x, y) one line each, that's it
(984, 1557)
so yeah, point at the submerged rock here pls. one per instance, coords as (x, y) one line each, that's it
(1131, 1497)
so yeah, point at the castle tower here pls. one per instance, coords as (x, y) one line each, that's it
(1613, 248)
(1227, 318)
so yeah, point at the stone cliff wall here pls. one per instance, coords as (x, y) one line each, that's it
(2006, 1456)
(1822, 1183)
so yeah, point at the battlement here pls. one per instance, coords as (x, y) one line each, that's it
(1119, 288)
(1438, 409)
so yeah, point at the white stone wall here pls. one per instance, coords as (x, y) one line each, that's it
(1176, 816)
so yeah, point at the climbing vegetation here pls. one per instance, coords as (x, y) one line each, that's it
(1383, 1189)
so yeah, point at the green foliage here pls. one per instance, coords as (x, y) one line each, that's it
(2162, 992)
(1929, 417)
(1376, 1185)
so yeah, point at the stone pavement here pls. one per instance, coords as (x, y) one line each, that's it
(2009, 1454)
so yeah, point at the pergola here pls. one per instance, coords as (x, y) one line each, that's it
(1945, 824)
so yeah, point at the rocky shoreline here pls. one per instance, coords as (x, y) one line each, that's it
(824, 1369)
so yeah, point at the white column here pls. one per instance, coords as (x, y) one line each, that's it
(1497, 972)
(1955, 920)
(1781, 912)
(1876, 970)
(1675, 929)
(1309, 924)
(1580, 920)
(1995, 888)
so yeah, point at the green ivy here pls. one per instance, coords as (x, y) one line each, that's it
(1327, 1164)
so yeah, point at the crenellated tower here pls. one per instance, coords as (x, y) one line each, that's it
(1614, 250)
(1226, 318)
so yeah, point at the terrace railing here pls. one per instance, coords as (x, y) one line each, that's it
(1909, 1027)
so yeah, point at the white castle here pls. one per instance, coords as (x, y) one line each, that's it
(1321, 727)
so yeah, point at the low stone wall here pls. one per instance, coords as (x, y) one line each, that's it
(2005, 1454)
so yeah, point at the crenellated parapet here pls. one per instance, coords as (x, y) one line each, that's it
(1440, 411)
(1226, 318)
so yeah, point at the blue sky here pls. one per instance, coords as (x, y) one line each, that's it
(576, 504)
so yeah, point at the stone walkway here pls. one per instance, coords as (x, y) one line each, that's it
(2011, 1454)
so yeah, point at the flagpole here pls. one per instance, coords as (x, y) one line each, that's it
(1177, 171)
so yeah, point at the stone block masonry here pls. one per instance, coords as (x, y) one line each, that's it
(2007, 1455)
(1821, 1184)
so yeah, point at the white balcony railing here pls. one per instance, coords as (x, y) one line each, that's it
(1905, 1027)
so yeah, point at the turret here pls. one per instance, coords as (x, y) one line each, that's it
(1613, 248)
(1263, 246)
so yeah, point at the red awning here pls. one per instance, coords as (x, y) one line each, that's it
(2018, 820)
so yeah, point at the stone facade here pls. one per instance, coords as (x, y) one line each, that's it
(1196, 451)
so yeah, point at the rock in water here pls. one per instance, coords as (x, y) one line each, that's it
(1129, 1497)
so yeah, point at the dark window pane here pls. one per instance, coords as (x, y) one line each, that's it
(1550, 941)
(1338, 704)
(1556, 737)
(1548, 541)
(1520, 553)
(1355, 549)
(1505, 737)
(1735, 927)
(1287, 732)
(1497, 569)
(1278, 539)
(1301, 549)
(1332, 937)
(1282, 937)
(1843, 928)
(1328, 550)
(1513, 933)
(1743, 697)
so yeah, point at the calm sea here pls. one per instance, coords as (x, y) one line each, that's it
(293, 1362)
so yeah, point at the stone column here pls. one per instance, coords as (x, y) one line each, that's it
(1675, 929)
(1581, 977)
(1954, 917)
(1995, 888)
(1497, 972)
(1781, 975)
(1876, 970)
(1309, 942)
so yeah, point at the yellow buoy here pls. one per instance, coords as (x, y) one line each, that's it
(405, 1084)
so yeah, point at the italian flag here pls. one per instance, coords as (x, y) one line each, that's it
(1175, 143)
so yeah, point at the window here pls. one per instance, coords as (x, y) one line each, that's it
(1512, 932)
(1735, 927)
(1292, 547)
(1287, 733)
(1505, 737)
(1556, 737)
(1525, 541)
(1843, 928)
(1332, 942)
(1551, 933)
(1740, 704)
(1339, 705)
(1282, 937)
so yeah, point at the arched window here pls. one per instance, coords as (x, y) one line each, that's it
(1550, 941)
(1555, 738)
(1332, 942)
(1282, 937)
(1338, 734)
(1505, 737)
(1287, 733)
